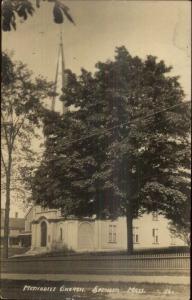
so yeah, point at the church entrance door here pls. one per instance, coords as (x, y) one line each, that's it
(43, 234)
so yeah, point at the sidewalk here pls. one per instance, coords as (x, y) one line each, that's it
(99, 278)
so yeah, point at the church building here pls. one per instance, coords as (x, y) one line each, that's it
(51, 232)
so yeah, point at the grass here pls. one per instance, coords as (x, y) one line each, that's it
(15, 251)
(69, 252)
(168, 250)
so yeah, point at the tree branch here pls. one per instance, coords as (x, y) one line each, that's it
(3, 161)
(5, 130)
(20, 124)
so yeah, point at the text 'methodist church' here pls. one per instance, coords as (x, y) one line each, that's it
(50, 231)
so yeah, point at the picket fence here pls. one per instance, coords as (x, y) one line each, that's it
(172, 261)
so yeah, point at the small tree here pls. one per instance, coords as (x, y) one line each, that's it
(20, 111)
(120, 151)
(181, 231)
(180, 224)
(172, 196)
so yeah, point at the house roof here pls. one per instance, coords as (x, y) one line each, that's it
(14, 223)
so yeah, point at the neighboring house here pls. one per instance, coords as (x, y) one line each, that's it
(25, 236)
(16, 227)
(50, 231)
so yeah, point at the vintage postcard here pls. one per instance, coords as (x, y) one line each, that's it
(95, 150)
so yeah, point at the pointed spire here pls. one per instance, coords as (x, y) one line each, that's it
(59, 77)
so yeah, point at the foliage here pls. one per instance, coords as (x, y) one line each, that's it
(181, 231)
(6, 69)
(20, 114)
(21, 110)
(173, 199)
(12, 9)
(120, 151)
(180, 225)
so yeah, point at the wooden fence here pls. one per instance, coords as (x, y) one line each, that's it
(173, 261)
(101, 263)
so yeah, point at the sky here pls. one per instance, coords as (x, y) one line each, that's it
(159, 28)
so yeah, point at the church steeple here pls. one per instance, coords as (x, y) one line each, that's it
(60, 80)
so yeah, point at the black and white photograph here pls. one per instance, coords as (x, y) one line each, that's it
(95, 150)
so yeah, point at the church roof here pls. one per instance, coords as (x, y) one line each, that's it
(60, 80)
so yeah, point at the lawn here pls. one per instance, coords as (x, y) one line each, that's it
(65, 252)
(15, 251)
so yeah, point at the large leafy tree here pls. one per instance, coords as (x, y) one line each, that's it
(20, 114)
(122, 150)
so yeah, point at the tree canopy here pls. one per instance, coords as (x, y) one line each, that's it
(123, 149)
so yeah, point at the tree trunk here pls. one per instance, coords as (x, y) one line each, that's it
(7, 208)
(129, 218)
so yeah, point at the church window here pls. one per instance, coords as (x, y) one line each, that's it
(61, 234)
(136, 235)
(155, 216)
(172, 240)
(155, 236)
(112, 233)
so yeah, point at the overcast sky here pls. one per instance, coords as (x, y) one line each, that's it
(160, 28)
